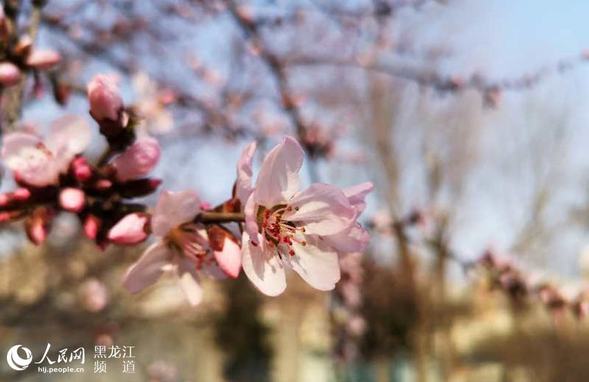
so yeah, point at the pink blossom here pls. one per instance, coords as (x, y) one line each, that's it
(72, 199)
(129, 230)
(39, 162)
(138, 159)
(9, 74)
(43, 59)
(286, 228)
(354, 238)
(104, 97)
(182, 248)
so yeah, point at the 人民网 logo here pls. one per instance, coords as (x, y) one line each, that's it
(14, 359)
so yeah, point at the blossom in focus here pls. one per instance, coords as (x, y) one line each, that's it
(9, 74)
(105, 98)
(287, 228)
(182, 248)
(138, 159)
(39, 162)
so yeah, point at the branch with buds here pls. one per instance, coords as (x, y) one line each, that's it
(265, 228)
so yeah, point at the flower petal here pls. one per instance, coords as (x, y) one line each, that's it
(13, 146)
(229, 259)
(188, 280)
(138, 159)
(353, 239)
(70, 135)
(323, 208)
(265, 272)
(278, 179)
(147, 269)
(243, 185)
(26, 155)
(173, 209)
(317, 266)
(251, 226)
(356, 195)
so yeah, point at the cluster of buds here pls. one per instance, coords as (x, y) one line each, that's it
(53, 176)
(505, 276)
(21, 56)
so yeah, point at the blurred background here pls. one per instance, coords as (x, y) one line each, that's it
(469, 117)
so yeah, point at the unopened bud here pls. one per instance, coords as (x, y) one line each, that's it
(138, 159)
(103, 184)
(21, 194)
(7, 216)
(81, 169)
(38, 224)
(9, 74)
(43, 59)
(92, 224)
(72, 199)
(132, 229)
(105, 99)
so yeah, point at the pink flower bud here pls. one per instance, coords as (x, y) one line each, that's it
(103, 184)
(138, 160)
(91, 226)
(130, 230)
(9, 74)
(104, 97)
(72, 199)
(43, 59)
(21, 194)
(38, 224)
(81, 169)
(7, 216)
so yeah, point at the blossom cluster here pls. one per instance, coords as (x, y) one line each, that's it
(504, 275)
(267, 227)
(22, 57)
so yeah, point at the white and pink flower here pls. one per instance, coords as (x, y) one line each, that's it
(288, 228)
(39, 162)
(182, 248)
